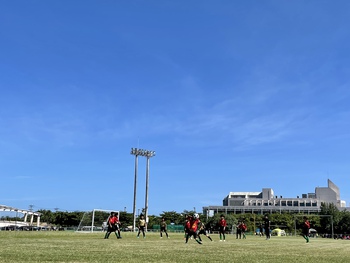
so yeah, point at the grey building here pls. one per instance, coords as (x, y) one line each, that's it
(267, 202)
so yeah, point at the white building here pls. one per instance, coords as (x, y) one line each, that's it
(267, 202)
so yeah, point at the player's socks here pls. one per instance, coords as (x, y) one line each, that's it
(210, 238)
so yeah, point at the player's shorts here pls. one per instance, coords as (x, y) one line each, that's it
(192, 233)
(202, 232)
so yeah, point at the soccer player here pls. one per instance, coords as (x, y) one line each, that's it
(192, 231)
(222, 228)
(261, 230)
(117, 226)
(142, 225)
(243, 227)
(163, 228)
(187, 225)
(111, 225)
(238, 230)
(202, 230)
(306, 229)
(267, 226)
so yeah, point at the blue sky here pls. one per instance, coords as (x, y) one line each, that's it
(232, 96)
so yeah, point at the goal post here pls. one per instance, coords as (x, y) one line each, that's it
(95, 220)
(295, 222)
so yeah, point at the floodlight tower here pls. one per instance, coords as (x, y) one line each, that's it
(135, 152)
(148, 154)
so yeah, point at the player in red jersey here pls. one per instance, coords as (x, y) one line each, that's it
(222, 228)
(306, 229)
(243, 228)
(112, 223)
(192, 231)
(187, 225)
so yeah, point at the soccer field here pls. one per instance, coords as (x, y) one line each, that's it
(22, 246)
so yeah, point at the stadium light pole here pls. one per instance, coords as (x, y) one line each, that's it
(134, 151)
(148, 154)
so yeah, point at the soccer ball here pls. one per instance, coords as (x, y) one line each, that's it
(196, 216)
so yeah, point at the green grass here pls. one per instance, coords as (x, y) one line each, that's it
(81, 247)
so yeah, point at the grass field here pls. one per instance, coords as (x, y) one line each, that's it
(19, 246)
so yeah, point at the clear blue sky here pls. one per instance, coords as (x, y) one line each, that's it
(232, 96)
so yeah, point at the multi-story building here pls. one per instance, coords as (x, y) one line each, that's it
(266, 202)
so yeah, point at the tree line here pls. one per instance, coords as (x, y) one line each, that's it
(321, 222)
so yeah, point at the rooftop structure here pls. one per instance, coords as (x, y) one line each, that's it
(17, 211)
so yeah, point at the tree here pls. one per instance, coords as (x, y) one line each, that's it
(326, 222)
(126, 219)
(284, 221)
(172, 217)
(344, 222)
(47, 216)
(231, 221)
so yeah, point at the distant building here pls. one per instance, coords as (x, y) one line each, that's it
(266, 202)
(19, 213)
